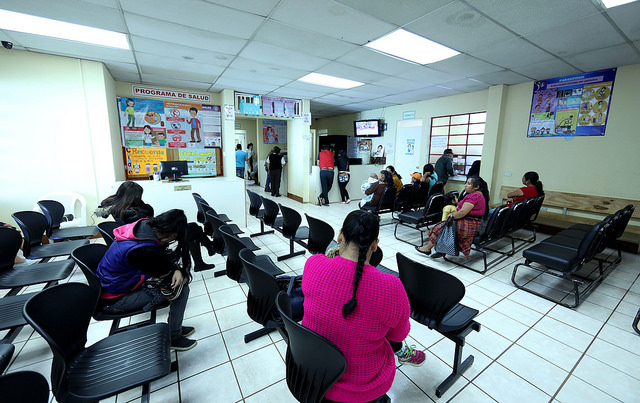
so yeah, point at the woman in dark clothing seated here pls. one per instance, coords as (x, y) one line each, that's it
(385, 179)
(139, 256)
(126, 206)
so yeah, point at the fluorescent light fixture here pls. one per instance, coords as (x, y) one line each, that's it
(329, 81)
(614, 3)
(409, 46)
(30, 24)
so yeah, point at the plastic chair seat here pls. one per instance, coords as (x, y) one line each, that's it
(411, 217)
(553, 256)
(457, 318)
(121, 362)
(248, 243)
(74, 232)
(565, 241)
(266, 264)
(11, 310)
(56, 249)
(21, 276)
(302, 233)
(234, 229)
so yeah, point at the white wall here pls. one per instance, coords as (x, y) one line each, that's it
(56, 133)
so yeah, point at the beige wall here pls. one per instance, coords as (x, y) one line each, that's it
(605, 165)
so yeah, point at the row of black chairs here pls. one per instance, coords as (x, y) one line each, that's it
(409, 198)
(567, 253)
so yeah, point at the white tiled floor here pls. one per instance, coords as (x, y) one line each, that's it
(528, 350)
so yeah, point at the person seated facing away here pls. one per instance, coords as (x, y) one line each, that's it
(141, 253)
(468, 215)
(373, 322)
(450, 205)
(532, 188)
(397, 179)
(126, 206)
(384, 180)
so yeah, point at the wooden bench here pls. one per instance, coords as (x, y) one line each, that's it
(561, 210)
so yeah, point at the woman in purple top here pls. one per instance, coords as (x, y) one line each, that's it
(471, 209)
(364, 312)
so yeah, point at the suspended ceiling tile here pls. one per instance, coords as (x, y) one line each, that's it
(261, 7)
(376, 90)
(266, 70)
(464, 65)
(175, 51)
(263, 52)
(183, 35)
(335, 99)
(528, 17)
(174, 83)
(371, 60)
(330, 18)
(244, 86)
(592, 32)
(467, 85)
(196, 14)
(547, 69)
(125, 67)
(461, 28)
(254, 77)
(71, 48)
(393, 12)
(502, 77)
(302, 41)
(512, 53)
(400, 83)
(342, 70)
(626, 18)
(147, 61)
(124, 76)
(427, 75)
(92, 15)
(106, 3)
(606, 58)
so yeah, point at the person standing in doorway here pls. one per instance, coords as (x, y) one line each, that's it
(275, 163)
(241, 160)
(325, 163)
(444, 166)
(251, 161)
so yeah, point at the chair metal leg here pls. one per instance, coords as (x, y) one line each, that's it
(146, 393)
(635, 322)
(219, 273)
(258, 333)
(262, 231)
(291, 252)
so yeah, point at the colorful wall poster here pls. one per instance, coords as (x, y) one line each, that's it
(575, 105)
(411, 146)
(142, 162)
(138, 119)
(274, 131)
(193, 125)
(203, 162)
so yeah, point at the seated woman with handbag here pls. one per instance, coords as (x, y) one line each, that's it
(140, 271)
(473, 207)
(373, 323)
(126, 206)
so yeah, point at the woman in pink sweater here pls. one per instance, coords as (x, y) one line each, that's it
(365, 313)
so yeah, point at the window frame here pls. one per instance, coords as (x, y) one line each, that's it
(469, 158)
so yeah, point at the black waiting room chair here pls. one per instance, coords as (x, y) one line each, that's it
(421, 219)
(313, 363)
(320, 235)
(106, 230)
(234, 245)
(263, 290)
(88, 257)
(24, 386)
(34, 226)
(435, 298)
(54, 212)
(293, 231)
(256, 210)
(120, 362)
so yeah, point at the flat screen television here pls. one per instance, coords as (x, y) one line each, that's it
(367, 128)
(173, 170)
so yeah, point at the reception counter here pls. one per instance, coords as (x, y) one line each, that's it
(358, 174)
(225, 195)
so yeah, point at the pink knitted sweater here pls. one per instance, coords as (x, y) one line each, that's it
(382, 312)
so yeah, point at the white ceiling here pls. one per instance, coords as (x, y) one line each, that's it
(264, 46)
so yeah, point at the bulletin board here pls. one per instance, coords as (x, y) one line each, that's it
(575, 105)
(155, 130)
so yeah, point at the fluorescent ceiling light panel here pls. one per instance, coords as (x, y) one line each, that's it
(614, 3)
(30, 24)
(329, 81)
(409, 46)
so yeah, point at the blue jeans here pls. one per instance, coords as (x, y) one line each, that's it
(267, 181)
(139, 298)
(326, 181)
(240, 172)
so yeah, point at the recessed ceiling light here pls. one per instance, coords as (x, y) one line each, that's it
(409, 46)
(30, 24)
(329, 81)
(614, 3)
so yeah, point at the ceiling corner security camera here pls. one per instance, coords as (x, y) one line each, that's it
(7, 44)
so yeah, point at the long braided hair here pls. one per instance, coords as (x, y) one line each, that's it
(361, 228)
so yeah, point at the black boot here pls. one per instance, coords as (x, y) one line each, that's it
(200, 265)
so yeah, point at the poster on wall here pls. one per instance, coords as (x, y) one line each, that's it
(274, 131)
(202, 161)
(576, 105)
(155, 123)
(142, 162)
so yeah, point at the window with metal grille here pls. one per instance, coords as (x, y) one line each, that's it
(463, 133)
